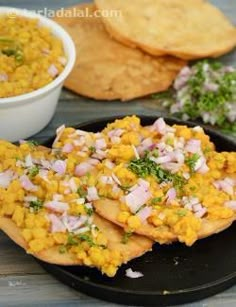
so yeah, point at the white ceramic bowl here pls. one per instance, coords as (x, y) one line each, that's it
(24, 115)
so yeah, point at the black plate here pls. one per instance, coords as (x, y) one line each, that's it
(173, 274)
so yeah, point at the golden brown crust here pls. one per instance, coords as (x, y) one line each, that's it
(159, 234)
(106, 69)
(186, 29)
(210, 227)
(50, 255)
(135, 247)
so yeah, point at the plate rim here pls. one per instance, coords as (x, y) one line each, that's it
(221, 283)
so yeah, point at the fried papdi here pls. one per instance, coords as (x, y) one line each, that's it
(109, 209)
(135, 246)
(187, 29)
(105, 69)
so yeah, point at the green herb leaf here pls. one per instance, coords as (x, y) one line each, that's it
(92, 149)
(6, 40)
(33, 171)
(32, 143)
(89, 211)
(72, 240)
(156, 200)
(82, 191)
(144, 167)
(126, 236)
(197, 99)
(124, 188)
(62, 249)
(87, 238)
(181, 213)
(191, 161)
(36, 205)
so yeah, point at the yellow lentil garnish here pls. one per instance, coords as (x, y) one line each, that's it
(30, 56)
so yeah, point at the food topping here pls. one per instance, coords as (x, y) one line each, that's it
(204, 91)
(30, 56)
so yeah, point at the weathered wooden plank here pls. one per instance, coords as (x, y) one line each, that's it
(44, 290)
(14, 260)
(40, 290)
(22, 281)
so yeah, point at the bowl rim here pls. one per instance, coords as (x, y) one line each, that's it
(66, 40)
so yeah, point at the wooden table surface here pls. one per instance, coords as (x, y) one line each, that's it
(22, 281)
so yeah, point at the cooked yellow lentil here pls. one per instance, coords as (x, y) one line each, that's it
(30, 56)
(198, 190)
(46, 193)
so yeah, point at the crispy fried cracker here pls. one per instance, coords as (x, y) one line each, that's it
(187, 29)
(105, 69)
(135, 247)
(160, 234)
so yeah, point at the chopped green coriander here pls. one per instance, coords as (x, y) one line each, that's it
(62, 249)
(32, 143)
(33, 171)
(124, 188)
(72, 240)
(191, 161)
(6, 40)
(92, 149)
(126, 236)
(89, 211)
(162, 95)
(156, 200)
(151, 153)
(144, 167)
(82, 191)
(36, 205)
(206, 150)
(181, 213)
(87, 238)
(208, 93)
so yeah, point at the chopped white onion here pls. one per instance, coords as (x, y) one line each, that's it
(59, 166)
(100, 144)
(160, 126)
(171, 195)
(30, 198)
(116, 179)
(67, 148)
(56, 223)
(144, 213)
(6, 178)
(133, 274)
(57, 206)
(3, 77)
(231, 204)
(82, 169)
(106, 180)
(200, 213)
(59, 133)
(27, 184)
(135, 152)
(53, 71)
(92, 194)
(138, 197)
(28, 161)
(193, 146)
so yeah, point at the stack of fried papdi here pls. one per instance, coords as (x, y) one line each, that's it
(137, 245)
(160, 234)
(106, 69)
(188, 29)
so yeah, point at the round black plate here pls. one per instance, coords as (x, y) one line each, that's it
(173, 274)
